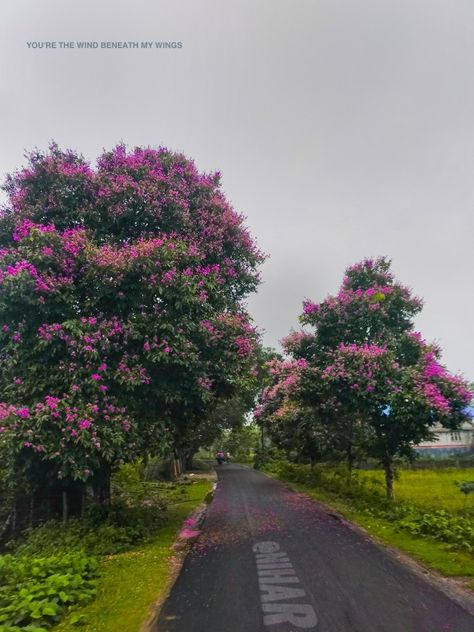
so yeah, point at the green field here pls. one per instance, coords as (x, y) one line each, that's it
(430, 489)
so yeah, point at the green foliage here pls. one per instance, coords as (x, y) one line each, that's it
(268, 457)
(55, 567)
(138, 510)
(36, 591)
(130, 582)
(457, 531)
(242, 442)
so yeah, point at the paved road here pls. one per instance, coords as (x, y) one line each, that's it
(269, 559)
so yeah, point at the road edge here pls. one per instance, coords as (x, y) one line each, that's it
(447, 585)
(189, 533)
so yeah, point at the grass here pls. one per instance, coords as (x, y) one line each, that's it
(131, 582)
(431, 489)
(427, 490)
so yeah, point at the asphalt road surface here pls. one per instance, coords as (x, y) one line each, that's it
(270, 559)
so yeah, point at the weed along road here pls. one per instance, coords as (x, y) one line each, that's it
(270, 559)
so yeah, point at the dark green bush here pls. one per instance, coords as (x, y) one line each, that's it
(104, 531)
(467, 487)
(268, 457)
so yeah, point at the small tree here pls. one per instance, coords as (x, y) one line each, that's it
(367, 382)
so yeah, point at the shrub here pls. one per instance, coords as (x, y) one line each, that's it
(35, 592)
(467, 487)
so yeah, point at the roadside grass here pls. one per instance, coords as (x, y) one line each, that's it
(131, 582)
(424, 490)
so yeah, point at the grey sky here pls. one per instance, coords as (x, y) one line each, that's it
(343, 128)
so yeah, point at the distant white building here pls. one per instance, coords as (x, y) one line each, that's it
(449, 442)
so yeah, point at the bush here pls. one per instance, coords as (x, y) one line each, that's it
(268, 458)
(104, 531)
(466, 487)
(35, 592)
(457, 531)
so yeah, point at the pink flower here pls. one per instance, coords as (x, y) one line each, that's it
(309, 307)
(84, 424)
(96, 376)
(5, 410)
(23, 413)
(52, 402)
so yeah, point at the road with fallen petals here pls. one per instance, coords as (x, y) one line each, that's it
(270, 559)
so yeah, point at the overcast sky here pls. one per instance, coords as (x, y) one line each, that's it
(343, 128)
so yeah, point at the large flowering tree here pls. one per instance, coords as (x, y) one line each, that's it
(370, 381)
(121, 316)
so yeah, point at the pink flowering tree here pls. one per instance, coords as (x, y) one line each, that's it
(121, 315)
(371, 383)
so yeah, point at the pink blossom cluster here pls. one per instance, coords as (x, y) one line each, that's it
(435, 381)
(366, 350)
(286, 375)
(24, 228)
(433, 394)
(244, 345)
(295, 339)
(205, 383)
(144, 236)
(131, 375)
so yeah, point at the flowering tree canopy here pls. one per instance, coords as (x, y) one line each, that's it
(365, 379)
(121, 315)
(369, 307)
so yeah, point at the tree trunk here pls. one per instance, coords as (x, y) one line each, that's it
(65, 508)
(350, 462)
(174, 467)
(171, 467)
(75, 498)
(188, 463)
(389, 477)
(101, 485)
